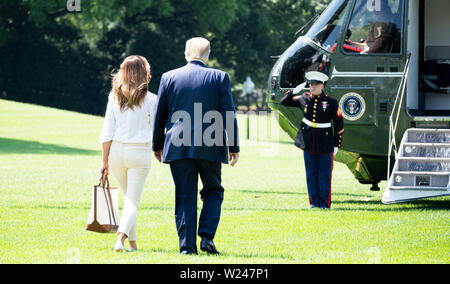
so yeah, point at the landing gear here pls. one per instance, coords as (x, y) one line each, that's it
(375, 187)
(374, 184)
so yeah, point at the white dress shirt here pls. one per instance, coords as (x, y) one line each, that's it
(131, 125)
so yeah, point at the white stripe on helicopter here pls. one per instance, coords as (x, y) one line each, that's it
(365, 74)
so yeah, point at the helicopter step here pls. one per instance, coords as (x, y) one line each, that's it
(419, 135)
(422, 167)
(423, 164)
(435, 150)
(420, 180)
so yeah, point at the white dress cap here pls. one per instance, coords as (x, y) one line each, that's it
(316, 76)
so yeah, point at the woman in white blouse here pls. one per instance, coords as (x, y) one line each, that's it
(126, 139)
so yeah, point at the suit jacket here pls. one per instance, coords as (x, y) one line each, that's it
(190, 99)
(320, 109)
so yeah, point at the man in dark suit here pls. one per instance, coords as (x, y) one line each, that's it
(196, 108)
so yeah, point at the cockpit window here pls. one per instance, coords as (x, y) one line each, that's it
(375, 27)
(302, 58)
(325, 32)
(309, 53)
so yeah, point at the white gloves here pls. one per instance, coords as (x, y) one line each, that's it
(336, 149)
(299, 88)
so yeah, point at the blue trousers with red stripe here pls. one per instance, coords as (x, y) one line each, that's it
(319, 170)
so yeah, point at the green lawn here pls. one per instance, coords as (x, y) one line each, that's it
(49, 160)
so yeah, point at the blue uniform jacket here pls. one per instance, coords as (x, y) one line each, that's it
(189, 101)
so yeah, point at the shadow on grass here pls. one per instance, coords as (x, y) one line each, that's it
(253, 255)
(273, 141)
(376, 205)
(300, 192)
(15, 146)
(223, 254)
(175, 251)
(78, 206)
(268, 192)
(353, 202)
(51, 206)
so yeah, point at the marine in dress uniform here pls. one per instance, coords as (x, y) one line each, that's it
(317, 138)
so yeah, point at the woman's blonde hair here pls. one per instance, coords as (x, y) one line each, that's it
(130, 83)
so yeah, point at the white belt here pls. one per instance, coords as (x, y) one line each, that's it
(316, 125)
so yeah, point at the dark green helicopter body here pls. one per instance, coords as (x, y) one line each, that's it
(366, 85)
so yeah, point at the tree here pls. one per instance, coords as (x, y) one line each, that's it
(53, 57)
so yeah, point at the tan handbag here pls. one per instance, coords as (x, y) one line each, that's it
(105, 208)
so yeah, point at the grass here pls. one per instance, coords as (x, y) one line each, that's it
(49, 160)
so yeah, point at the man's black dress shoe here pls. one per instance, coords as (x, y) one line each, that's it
(208, 246)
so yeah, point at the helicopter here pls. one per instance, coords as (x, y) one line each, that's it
(388, 63)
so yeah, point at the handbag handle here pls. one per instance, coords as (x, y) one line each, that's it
(103, 178)
(111, 210)
(101, 183)
(104, 184)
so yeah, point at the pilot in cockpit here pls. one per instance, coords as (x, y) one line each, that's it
(379, 14)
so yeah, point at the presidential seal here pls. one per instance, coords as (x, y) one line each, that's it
(353, 106)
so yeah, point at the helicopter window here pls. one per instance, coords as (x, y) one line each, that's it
(326, 33)
(375, 27)
(303, 56)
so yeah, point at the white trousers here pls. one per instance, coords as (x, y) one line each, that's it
(130, 164)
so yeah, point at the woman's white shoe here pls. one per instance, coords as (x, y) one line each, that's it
(118, 247)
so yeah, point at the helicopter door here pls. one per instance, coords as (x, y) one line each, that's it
(434, 57)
